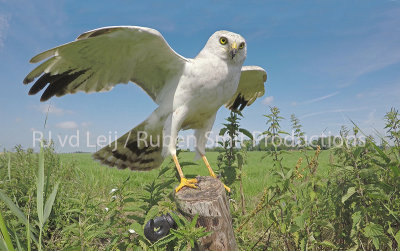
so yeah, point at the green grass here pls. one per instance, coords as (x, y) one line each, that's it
(256, 171)
(87, 216)
(85, 187)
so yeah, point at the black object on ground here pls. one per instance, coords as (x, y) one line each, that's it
(162, 223)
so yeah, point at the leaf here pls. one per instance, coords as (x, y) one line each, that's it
(328, 244)
(397, 238)
(3, 245)
(40, 186)
(177, 220)
(28, 235)
(374, 231)
(354, 248)
(357, 151)
(303, 244)
(194, 221)
(395, 168)
(49, 203)
(300, 221)
(129, 199)
(151, 214)
(245, 132)
(356, 217)
(380, 152)
(16, 211)
(349, 193)
(164, 240)
(223, 131)
(138, 229)
(5, 234)
(17, 241)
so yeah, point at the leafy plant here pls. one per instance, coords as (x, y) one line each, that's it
(43, 209)
(226, 160)
(273, 133)
(297, 132)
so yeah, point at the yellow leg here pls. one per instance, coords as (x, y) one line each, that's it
(212, 174)
(184, 182)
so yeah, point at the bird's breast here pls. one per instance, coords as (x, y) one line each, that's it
(208, 84)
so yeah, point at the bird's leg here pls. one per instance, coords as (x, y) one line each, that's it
(184, 182)
(212, 174)
(172, 125)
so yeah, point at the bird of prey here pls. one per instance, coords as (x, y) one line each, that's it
(188, 91)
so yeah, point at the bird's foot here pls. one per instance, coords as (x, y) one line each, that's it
(186, 183)
(215, 176)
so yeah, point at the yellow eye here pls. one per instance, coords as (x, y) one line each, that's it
(223, 40)
(241, 45)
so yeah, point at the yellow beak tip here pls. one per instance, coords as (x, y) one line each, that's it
(234, 45)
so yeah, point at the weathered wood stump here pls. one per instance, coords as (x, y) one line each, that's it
(210, 203)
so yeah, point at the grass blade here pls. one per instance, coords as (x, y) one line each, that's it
(17, 241)
(49, 203)
(40, 186)
(5, 234)
(16, 211)
(3, 245)
(9, 166)
(28, 235)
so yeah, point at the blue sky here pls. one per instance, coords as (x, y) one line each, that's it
(327, 61)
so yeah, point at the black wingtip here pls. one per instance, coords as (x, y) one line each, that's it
(239, 104)
(59, 83)
(56, 84)
(41, 83)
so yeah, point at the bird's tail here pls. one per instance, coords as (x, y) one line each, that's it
(137, 150)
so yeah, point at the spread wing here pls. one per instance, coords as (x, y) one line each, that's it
(251, 86)
(100, 59)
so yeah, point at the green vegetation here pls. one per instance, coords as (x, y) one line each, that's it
(344, 198)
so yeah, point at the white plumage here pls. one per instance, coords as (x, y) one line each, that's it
(189, 92)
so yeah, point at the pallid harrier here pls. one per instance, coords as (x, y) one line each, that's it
(189, 92)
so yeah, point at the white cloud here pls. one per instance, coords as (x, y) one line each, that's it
(86, 124)
(316, 99)
(52, 109)
(330, 111)
(268, 100)
(4, 24)
(67, 125)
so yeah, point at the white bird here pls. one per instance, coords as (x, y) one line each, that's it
(189, 92)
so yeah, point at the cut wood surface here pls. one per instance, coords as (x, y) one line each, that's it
(209, 201)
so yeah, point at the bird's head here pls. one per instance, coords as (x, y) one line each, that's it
(228, 46)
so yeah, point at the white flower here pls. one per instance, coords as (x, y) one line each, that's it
(131, 231)
(113, 190)
(106, 209)
(113, 197)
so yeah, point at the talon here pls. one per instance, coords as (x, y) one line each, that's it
(212, 174)
(215, 176)
(227, 188)
(186, 183)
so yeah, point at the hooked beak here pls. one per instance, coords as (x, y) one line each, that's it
(233, 50)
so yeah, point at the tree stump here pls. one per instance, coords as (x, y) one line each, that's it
(210, 203)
